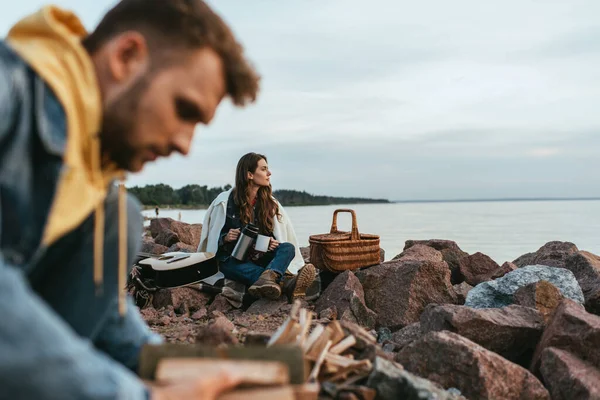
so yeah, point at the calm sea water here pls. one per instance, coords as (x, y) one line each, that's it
(502, 230)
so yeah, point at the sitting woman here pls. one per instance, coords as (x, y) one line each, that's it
(251, 202)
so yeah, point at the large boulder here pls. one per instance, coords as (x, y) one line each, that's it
(572, 329)
(151, 247)
(568, 377)
(478, 268)
(420, 252)
(187, 233)
(499, 293)
(513, 331)
(586, 268)
(454, 361)
(167, 238)
(462, 290)
(346, 294)
(541, 295)
(392, 383)
(451, 253)
(398, 291)
(552, 254)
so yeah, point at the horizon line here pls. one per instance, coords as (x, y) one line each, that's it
(506, 199)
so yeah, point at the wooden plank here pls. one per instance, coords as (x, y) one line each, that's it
(253, 372)
(292, 356)
(343, 345)
(274, 393)
(319, 345)
(305, 324)
(312, 338)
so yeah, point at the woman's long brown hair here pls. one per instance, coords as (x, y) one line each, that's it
(266, 206)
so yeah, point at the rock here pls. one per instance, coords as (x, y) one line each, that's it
(182, 299)
(407, 335)
(451, 253)
(328, 313)
(257, 338)
(150, 315)
(477, 268)
(221, 304)
(554, 254)
(363, 338)
(513, 331)
(201, 313)
(524, 260)
(420, 252)
(505, 269)
(541, 295)
(223, 323)
(573, 329)
(149, 246)
(305, 251)
(478, 373)
(499, 293)
(383, 335)
(398, 291)
(215, 335)
(568, 377)
(381, 255)
(166, 238)
(266, 306)
(180, 246)
(586, 268)
(346, 294)
(187, 233)
(392, 383)
(389, 348)
(461, 290)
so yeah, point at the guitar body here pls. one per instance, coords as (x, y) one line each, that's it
(175, 269)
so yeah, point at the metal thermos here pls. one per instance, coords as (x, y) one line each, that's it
(245, 242)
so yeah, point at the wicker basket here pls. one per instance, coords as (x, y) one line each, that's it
(340, 251)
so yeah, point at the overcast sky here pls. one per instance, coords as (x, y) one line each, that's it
(404, 100)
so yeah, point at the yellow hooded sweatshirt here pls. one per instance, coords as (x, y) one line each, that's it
(50, 42)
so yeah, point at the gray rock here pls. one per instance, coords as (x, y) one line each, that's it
(383, 335)
(392, 383)
(499, 293)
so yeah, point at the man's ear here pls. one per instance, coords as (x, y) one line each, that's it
(128, 56)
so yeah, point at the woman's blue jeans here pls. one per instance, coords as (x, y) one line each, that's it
(247, 272)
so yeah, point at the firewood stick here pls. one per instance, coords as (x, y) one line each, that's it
(312, 337)
(305, 327)
(317, 347)
(343, 345)
(315, 371)
(361, 366)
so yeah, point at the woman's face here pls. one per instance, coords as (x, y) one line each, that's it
(262, 175)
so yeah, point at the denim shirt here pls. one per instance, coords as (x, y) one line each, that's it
(40, 356)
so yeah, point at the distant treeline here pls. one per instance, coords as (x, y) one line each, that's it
(202, 196)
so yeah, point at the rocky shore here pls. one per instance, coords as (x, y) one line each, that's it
(448, 324)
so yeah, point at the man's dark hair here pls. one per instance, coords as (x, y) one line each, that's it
(171, 25)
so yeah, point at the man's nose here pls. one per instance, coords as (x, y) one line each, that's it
(183, 141)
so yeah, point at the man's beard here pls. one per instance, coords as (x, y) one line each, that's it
(118, 122)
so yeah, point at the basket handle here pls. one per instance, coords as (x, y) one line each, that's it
(354, 235)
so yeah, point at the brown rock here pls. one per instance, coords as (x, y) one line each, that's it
(187, 233)
(541, 295)
(513, 331)
(182, 299)
(149, 246)
(328, 313)
(266, 306)
(567, 377)
(477, 268)
(223, 323)
(220, 304)
(573, 329)
(454, 361)
(450, 252)
(420, 252)
(201, 313)
(166, 238)
(586, 268)
(346, 294)
(398, 291)
(555, 254)
(504, 269)
(150, 315)
(462, 290)
(215, 335)
(407, 335)
(257, 338)
(525, 260)
(180, 246)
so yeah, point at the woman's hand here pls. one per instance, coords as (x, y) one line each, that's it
(232, 235)
(273, 244)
